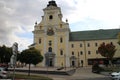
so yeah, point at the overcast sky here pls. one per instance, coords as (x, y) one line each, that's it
(17, 17)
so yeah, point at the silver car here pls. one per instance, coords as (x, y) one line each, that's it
(3, 72)
(115, 75)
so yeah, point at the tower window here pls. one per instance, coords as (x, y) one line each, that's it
(61, 52)
(61, 39)
(39, 40)
(50, 17)
(49, 49)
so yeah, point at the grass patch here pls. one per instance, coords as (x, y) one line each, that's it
(31, 77)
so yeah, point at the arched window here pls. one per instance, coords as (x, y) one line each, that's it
(61, 39)
(49, 49)
(61, 52)
(50, 17)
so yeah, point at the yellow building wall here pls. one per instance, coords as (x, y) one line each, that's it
(92, 48)
(61, 30)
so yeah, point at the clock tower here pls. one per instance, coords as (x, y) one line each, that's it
(51, 37)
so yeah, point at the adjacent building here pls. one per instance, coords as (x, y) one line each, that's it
(61, 47)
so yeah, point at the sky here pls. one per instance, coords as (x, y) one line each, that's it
(18, 17)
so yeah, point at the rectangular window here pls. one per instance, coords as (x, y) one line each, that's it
(61, 52)
(81, 52)
(111, 43)
(89, 52)
(80, 45)
(88, 44)
(96, 51)
(72, 53)
(72, 45)
(61, 40)
(96, 44)
(39, 40)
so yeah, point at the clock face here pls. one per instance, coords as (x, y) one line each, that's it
(50, 31)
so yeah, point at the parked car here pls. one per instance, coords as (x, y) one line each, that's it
(115, 75)
(96, 68)
(3, 72)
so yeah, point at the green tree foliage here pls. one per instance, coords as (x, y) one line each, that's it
(107, 50)
(30, 56)
(5, 54)
(118, 38)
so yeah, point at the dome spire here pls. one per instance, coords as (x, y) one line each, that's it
(52, 3)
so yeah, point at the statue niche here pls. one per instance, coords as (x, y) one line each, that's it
(50, 31)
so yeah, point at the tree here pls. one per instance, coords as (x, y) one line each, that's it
(107, 50)
(118, 38)
(5, 54)
(30, 56)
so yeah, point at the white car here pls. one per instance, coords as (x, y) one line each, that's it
(115, 75)
(3, 73)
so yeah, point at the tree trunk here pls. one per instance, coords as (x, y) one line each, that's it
(29, 71)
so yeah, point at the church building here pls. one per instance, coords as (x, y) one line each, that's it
(61, 47)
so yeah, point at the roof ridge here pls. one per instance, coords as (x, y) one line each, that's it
(94, 34)
(95, 30)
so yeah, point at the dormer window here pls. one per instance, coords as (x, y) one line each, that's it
(50, 17)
